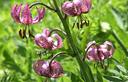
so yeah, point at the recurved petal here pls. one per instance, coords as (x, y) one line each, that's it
(58, 41)
(41, 41)
(46, 32)
(15, 12)
(110, 48)
(104, 52)
(50, 43)
(37, 37)
(42, 68)
(107, 49)
(41, 13)
(69, 8)
(56, 69)
(86, 5)
(26, 17)
(101, 55)
(92, 54)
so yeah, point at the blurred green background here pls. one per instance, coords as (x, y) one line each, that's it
(108, 20)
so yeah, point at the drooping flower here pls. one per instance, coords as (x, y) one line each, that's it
(69, 8)
(85, 5)
(99, 52)
(23, 15)
(47, 41)
(76, 7)
(44, 68)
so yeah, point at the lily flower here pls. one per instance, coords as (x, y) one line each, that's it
(99, 52)
(47, 41)
(76, 7)
(23, 15)
(51, 70)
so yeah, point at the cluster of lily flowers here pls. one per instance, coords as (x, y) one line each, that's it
(50, 41)
(44, 40)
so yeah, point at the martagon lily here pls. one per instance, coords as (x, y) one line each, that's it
(100, 52)
(47, 41)
(23, 15)
(46, 69)
(76, 7)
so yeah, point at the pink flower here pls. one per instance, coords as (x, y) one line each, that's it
(99, 52)
(85, 5)
(23, 15)
(47, 41)
(69, 8)
(76, 7)
(43, 68)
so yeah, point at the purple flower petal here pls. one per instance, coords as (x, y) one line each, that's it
(15, 12)
(58, 43)
(46, 32)
(42, 41)
(92, 53)
(110, 48)
(86, 5)
(40, 15)
(26, 17)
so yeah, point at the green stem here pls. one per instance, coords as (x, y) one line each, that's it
(87, 50)
(120, 43)
(56, 55)
(58, 31)
(46, 79)
(86, 71)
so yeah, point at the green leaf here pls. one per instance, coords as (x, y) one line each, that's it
(21, 50)
(10, 63)
(99, 76)
(118, 17)
(121, 68)
(115, 72)
(75, 78)
(113, 78)
(7, 78)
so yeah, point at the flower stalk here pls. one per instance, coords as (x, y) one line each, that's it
(58, 31)
(86, 71)
(56, 55)
(40, 3)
